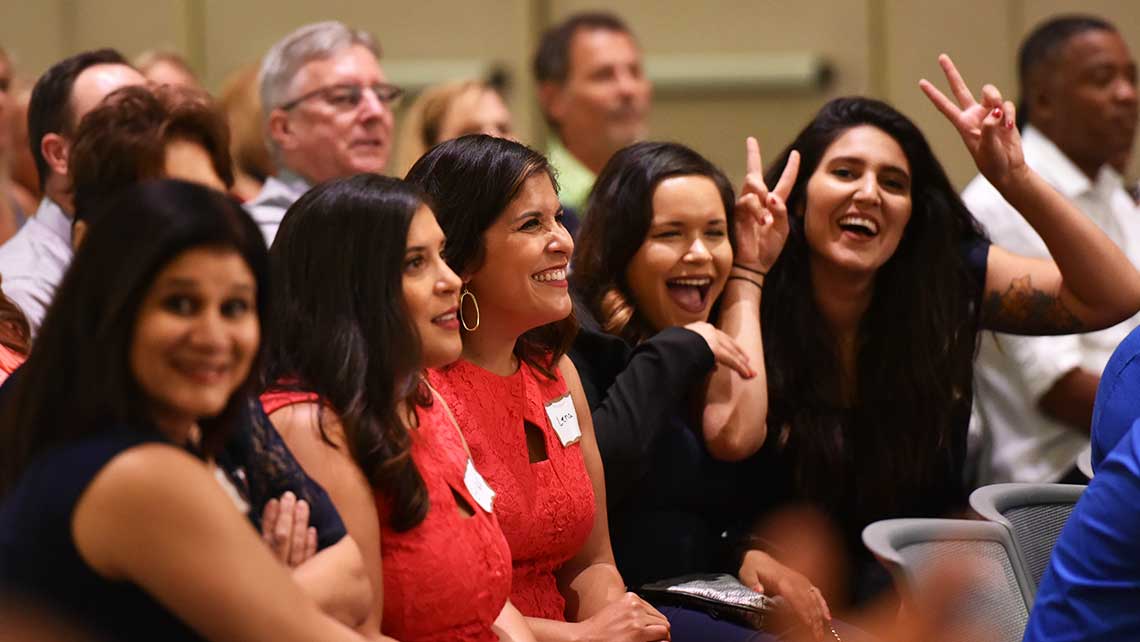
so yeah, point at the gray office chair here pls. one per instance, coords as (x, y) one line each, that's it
(998, 601)
(1034, 515)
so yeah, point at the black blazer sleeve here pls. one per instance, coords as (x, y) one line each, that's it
(633, 400)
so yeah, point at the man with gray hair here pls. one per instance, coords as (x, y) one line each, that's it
(328, 113)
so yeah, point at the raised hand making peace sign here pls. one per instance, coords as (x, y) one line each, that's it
(762, 216)
(987, 128)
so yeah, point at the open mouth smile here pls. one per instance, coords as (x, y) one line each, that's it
(690, 293)
(861, 226)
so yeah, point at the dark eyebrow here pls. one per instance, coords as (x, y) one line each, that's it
(717, 221)
(860, 161)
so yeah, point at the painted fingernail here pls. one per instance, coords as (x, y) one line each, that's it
(997, 113)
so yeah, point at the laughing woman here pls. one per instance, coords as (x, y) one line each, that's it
(668, 274)
(873, 309)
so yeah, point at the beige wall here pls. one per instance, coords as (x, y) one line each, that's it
(877, 47)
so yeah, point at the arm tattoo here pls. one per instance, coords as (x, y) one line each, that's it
(1023, 309)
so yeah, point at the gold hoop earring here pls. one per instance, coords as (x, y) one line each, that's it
(474, 302)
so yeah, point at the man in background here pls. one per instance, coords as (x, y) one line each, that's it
(594, 95)
(328, 113)
(33, 262)
(1078, 113)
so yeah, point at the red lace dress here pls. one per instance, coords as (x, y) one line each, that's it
(449, 577)
(546, 508)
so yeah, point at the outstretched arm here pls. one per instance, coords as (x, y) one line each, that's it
(736, 407)
(1033, 296)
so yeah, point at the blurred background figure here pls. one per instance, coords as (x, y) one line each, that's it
(166, 68)
(34, 260)
(25, 185)
(327, 109)
(14, 338)
(449, 111)
(14, 204)
(1078, 116)
(240, 101)
(139, 133)
(594, 95)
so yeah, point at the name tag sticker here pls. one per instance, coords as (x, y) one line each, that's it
(564, 420)
(477, 486)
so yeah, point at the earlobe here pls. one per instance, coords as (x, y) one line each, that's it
(550, 97)
(1040, 108)
(56, 151)
(279, 129)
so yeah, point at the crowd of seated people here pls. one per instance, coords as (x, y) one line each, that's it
(254, 389)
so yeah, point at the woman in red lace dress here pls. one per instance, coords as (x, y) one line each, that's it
(518, 398)
(364, 302)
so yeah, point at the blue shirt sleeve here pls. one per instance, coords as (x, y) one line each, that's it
(1090, 589)
(1117, 398)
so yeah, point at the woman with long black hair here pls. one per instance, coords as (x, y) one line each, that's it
(872, 311)
(115, 512)
(366, 304)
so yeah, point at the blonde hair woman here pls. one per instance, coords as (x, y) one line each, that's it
(448, 111)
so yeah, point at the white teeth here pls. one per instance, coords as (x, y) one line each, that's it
(551, 275)
(697, 282)
(443, 318)
(861, 221)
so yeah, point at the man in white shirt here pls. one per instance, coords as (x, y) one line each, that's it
(32, 262)
(328, 112)
(1034, 396)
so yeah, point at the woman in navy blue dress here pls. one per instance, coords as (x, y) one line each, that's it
(114, 514)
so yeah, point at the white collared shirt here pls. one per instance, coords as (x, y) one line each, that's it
(32, 262)
(276, 196)
(1018, 441)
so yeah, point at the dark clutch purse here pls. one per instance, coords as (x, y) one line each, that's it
(719, 595)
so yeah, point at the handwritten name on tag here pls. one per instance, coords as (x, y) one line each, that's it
(477, 486)
(564, 420)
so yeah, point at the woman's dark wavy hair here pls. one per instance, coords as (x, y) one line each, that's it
(78, 381)
(15, 333)
(343, 330)
(618, 215)
(471, 180)
(916, 343)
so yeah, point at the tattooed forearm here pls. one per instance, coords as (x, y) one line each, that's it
(1023, 309)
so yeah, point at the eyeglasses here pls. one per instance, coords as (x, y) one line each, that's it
(347, 97)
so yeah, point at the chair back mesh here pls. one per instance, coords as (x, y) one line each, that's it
(1036, 528)
(993, 603)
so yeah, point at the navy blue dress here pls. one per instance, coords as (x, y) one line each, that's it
(39, 563)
